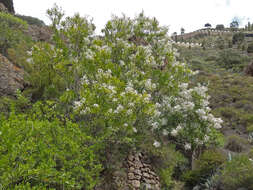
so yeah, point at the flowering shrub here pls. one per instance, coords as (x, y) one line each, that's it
(128, 83)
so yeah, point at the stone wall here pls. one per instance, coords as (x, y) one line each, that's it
(140, 174)
(212, 32)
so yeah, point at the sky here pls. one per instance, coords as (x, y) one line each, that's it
(189, 14)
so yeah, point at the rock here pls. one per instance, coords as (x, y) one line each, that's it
(138, 165)
(130, 163)
(39, 33)
(131, 176)
(131, 158)
(131, 169)
(136, 184)
(138, 172)
(3, 8)
(146, 175)
(138, 177)
(242, 188)
(145, 169)
(152, 173)
(11, 77)
(9, 5)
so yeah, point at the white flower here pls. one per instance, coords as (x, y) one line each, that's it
(96, 105)
(86, 110)
(155, 125)
(109, 71)
(206, 138)
(121, 63)
(157, 144)
(119, 108)
(174, 132)
(147, 98)
(77, 104)
(122, 94)
(129, 112)
(165, 132)
(148, 84)
(187, 146)
(134, 129)
(217, 126)
(177, 108)
(125, 124)
(100, 71)
(158, 105)
(179, 127)
(200, 112)
(157, 113)
(183, 86)
(131, 104)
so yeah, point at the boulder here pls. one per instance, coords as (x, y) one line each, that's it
(3, 8)
(39, 33)
(9, 5)
(11, 77)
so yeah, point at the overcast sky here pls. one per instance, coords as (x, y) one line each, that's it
(189, 14)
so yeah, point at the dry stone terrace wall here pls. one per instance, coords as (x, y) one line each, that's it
(212, 32)
(140, 174)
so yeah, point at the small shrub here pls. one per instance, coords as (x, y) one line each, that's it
(166, 176)
(236, 143)
(233, 60)
(237, 173)
(11, 31)
(206, 166)
(238, 38)
(250, 154)
(250, 48)
(31, 20)
(250, 128)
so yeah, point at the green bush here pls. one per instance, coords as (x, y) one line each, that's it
(238, 38)
(168, 162)
(49, 154)
(11, 31)
(206, 166)
(233, 60)
(237, 173)
(250, 48)
(31, 20)
(236, 143)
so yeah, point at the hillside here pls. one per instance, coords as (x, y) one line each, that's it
(130, 109)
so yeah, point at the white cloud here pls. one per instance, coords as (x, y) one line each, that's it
(191, 15)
